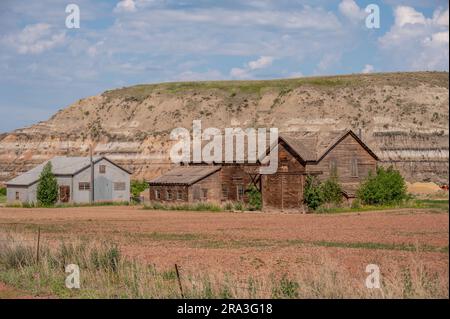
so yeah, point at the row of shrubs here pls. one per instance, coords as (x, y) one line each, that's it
(384, 187)
(201, 206)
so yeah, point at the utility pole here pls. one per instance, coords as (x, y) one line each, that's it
(92, 197)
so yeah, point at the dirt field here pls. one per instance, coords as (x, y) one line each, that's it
(248, 243)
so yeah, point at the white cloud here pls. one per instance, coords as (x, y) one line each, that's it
(416, 42)
(35, 39)
(125, 6)
(351, 10)
(328, 60)
(441, 18)
(368, 68)
(407, 15)
(239, 73)
(307, 18)
(261, 63)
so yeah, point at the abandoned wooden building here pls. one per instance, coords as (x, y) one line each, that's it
(343, 153)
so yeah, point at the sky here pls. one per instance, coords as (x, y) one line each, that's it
(46, 66)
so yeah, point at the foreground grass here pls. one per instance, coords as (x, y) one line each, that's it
(436, 205)
(69, 205)
(105, 273)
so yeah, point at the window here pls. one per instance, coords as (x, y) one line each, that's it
(157, 194)
(17, 196)
(196, 191)
(169, 194)
(224, 191)
(204, 193)
(119, 186)
(354, 166)
(240, 192)
(179, 194)
(102, 169)
(84, 186)
(333, 166)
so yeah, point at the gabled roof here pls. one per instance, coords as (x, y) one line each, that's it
(312, 148)
(185, 175)
(61, 166)
(338, 139)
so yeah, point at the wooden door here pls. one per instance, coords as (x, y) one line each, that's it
(64, 194)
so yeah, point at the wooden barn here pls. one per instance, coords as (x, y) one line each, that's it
(298, 156)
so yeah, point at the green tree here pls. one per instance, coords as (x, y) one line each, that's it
(313, 196)
(137, 187)
(387, 186)
(331, 190)
(254, 198)
(47, 189)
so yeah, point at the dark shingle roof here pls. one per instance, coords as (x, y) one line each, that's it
(185, 175)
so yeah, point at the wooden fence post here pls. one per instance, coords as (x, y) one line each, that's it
(38, 244)
(179, 281)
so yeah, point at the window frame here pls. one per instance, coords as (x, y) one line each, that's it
(102, 169)
(333, 166)
(225, 192)
(119, 189)
(204, 194)
(84, 186)
(354, 169)
(240, 192)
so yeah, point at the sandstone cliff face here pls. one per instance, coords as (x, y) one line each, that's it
(404, 117)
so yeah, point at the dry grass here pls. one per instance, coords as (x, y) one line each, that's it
(105, 273)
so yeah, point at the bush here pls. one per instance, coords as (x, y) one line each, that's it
(137, 187)
(2, 191)
(254, 198)
(331, 190)
(387, 186)
(312, 193)
(47, 189)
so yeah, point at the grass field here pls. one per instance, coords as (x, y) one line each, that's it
(127, 252)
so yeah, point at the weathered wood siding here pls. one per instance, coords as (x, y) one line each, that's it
(191, 194)
(163, 193)
(343, 154)
(233, 177)
(285, 188)
(212, 186)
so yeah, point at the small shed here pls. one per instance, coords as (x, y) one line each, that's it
(187, 184)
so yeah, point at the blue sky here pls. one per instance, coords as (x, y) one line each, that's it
(44, 66)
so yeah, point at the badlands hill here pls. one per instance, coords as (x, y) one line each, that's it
(404, 117)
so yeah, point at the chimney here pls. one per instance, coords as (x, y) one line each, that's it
(360, 133)
(92, 197)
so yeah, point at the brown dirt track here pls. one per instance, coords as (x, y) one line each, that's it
(248, 243)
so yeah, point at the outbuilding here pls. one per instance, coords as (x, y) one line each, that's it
(73, 174)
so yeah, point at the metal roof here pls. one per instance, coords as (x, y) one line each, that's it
(61, 165)
(185, 175)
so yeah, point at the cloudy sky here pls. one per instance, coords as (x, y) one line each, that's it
(45, 66)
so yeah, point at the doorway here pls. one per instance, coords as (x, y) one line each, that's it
(64, 194)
